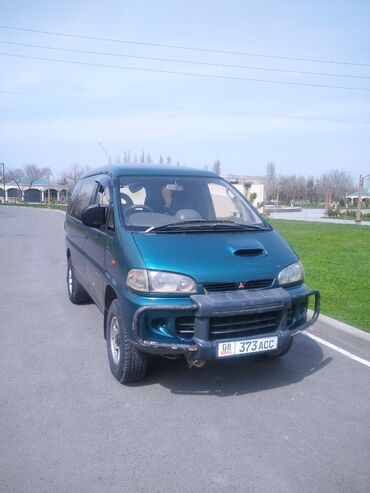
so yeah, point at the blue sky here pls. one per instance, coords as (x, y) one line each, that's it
(93, 101)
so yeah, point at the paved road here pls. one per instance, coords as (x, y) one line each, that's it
(313, 215)
(300, 424)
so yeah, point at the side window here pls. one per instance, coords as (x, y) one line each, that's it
(73, 200)
(103, 195)
(103, 198)
(83, 197)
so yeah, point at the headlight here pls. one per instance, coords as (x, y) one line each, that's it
(138, 279)
(292, 273)
(154, 281)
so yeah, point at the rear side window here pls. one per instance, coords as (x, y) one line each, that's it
(82, 196)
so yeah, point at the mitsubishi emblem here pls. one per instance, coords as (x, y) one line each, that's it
(241, 285)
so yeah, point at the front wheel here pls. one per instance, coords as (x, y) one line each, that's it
(126, 363)
(77, 294)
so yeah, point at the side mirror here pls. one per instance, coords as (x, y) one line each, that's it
(94, 215)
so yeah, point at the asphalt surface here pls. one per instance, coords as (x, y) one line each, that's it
(313, 215)
(298, 424)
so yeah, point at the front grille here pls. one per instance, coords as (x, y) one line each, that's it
(232, 326)
(243, 325)
(236, 286)
(185, 327)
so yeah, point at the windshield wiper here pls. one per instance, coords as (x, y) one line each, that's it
(203, 224)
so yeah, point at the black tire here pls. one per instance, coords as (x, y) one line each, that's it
(126, 363)
(280, 352)
(77, 294)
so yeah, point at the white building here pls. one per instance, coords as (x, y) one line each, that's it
(37, 193)
(242, 182)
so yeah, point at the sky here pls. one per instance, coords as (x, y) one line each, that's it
(55, 113)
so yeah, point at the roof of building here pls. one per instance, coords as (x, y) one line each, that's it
(39, 182)
(233, 178)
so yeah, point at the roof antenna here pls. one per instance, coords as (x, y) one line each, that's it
(105, 152)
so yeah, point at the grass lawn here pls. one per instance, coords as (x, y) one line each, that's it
(336, 259)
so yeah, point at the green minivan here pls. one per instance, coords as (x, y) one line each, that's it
(181, 265)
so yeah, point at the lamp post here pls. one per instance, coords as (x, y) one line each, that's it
(359, 199)
(48, 190)
(106, 153)
(3, 165)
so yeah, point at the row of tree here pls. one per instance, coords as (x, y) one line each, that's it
(330, 187)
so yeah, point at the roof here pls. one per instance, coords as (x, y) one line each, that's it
(147, 169)
(364, 195)
(40, 182)
(233, 178)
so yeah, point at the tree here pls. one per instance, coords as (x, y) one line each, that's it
(169, 160)
(161, 159)
(337, 183)
(216, 168)
(247, 186)
(252, 197)
(142, 157)
(16, 175)
(149, 158)
(73, 175)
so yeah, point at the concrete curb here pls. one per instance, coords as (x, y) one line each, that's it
(343, 327)
(348, 329)
(345, 336)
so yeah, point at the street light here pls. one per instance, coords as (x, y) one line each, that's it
(359, 199)
(105, 151)
(3, 165)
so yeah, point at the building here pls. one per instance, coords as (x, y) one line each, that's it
(352, 198)
(37, 193)
(248, 186)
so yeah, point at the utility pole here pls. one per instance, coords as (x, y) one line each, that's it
(48, 190)
(359, 199)
(105, 152)
(3, 178)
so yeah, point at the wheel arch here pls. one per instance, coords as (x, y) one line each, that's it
(110, 295)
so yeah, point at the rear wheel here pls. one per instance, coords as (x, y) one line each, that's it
(126, 363)
(77, 294)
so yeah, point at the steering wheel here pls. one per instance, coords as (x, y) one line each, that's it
(127, 199)
(137, 208)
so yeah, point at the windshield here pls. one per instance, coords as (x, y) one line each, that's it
(150, 203)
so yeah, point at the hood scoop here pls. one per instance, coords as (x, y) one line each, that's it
(249, 252)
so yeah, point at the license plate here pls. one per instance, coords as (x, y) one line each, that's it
(234, 348)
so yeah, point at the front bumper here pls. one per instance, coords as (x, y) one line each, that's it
(207, 307)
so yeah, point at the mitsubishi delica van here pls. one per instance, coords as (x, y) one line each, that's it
(180, 264)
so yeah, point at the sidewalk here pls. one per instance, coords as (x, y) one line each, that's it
(312, 215)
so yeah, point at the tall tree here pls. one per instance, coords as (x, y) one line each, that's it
(16, 175)
(33, 173)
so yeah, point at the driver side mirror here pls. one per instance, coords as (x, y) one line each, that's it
(94, 215)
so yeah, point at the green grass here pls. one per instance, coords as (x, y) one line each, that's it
(336, 259)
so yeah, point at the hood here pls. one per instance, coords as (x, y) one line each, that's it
(224, 257)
